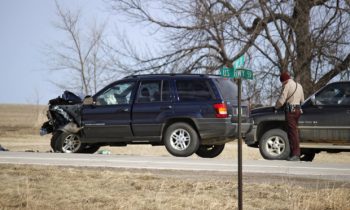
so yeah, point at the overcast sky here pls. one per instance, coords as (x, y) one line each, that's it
(26, 26)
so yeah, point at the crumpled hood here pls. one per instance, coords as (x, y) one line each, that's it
(67, 98)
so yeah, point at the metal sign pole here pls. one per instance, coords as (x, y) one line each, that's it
(238, 72)
(240, 183)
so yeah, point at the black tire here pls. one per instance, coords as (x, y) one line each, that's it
(274, 145)
(308, 157)
(54, 137)
(210, 151)
(90, 148)
(67, 143)
(181, 140)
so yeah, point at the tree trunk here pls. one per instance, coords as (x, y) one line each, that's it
(301, 26)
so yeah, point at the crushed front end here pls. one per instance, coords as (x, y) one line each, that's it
(63, 114)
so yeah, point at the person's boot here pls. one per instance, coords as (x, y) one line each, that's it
(294, 158)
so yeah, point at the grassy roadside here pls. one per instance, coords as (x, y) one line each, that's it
(39, 187)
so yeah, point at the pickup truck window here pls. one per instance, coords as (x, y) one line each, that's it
(337, 94)
(118, 94)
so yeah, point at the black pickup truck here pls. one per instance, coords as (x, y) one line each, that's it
(323, 126)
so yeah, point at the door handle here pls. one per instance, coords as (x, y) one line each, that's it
(166, 107)
(123, 110)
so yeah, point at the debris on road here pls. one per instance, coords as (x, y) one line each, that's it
(30, 150)
(2, 149)
(104, 152)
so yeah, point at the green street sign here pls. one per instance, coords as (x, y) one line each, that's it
(236, 73)
(243, 73)
(226, 72)
(237, 70)
(239, 63)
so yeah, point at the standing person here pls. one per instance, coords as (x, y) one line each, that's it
(291, 98)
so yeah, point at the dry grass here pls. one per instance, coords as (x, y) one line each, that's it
(38, 187)
(21, 119)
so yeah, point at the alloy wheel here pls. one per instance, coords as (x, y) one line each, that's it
(180, 139)
(71, 144)
(275, 145)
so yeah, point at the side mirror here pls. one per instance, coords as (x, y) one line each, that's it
(88, 100)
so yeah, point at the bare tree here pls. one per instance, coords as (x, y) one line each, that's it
(308, 38)
(82, 54)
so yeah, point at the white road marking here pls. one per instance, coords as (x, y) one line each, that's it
(305, 169)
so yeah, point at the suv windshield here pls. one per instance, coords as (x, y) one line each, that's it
(119, 93)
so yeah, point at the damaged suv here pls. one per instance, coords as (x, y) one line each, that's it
(186, 113)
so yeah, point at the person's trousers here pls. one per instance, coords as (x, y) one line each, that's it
(292, 119)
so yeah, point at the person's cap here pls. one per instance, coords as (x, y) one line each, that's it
(284, 76)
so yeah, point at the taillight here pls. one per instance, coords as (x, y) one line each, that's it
(221, 110)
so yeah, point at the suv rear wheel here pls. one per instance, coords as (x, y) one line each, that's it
(181, 140)
(210, 151)
(274, 145)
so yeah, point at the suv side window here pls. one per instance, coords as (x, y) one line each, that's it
(194, 90)
(227, 88)
(117, 94)
(337, 94)
(153, 91)
(165, 91)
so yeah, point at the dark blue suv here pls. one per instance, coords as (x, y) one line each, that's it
(186, 113)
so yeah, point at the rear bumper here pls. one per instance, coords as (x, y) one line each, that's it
(211, 130)
(251, 138)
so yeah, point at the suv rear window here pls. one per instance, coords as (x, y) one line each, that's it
(227, 88)
(194, 90)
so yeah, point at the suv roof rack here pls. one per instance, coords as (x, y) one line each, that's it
(168, 74)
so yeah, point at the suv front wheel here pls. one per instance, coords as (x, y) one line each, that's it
(274, 145)
(66, 143)
(181, 140)
(71, 143)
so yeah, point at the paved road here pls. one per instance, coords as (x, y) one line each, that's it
(339, 172)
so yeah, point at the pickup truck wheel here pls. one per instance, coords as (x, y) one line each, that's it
(308, 157)
(210, 151)
(274, 145)
(181, 140)
(68, 143)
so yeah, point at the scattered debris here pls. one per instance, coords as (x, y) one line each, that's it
(104, 152)
(3, 149)
(30, 150)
